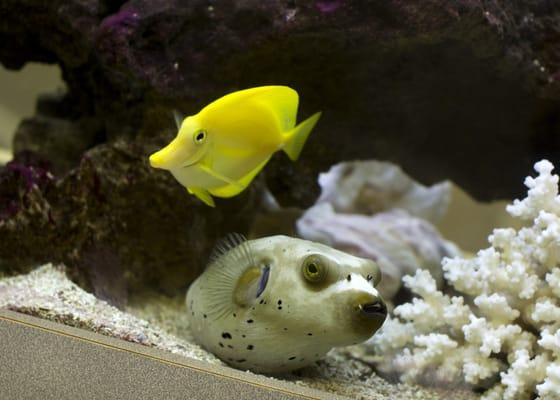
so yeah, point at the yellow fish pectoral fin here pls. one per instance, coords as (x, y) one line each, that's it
(232, 190)
(219, 176)
(295, 139)
(203, 195)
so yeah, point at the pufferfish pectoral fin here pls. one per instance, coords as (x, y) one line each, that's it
(240, 185)
(237, 279)
(202, 195)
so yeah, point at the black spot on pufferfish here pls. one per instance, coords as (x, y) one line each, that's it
(292, 358)
(241, 360)
(204, 315)
(230, 346)
(250, 321)
(348, 278)
(309, 334)
(250, 347)
(279, 302)
(221, 344)
(226, 335)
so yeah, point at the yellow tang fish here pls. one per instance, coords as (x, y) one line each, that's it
(219, 151)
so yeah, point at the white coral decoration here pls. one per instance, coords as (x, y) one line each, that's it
(506, 328)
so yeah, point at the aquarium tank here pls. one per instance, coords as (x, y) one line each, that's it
(341, 198)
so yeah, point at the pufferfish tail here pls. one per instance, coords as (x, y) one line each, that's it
(296, 138)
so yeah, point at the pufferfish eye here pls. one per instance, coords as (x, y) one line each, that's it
(200, 136)
(314, 270)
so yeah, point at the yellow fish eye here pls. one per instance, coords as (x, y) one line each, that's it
(314, 270)
(200, 136)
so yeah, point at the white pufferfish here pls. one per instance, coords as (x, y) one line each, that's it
(277, 304)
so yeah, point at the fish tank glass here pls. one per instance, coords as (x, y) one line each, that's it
(317, 198)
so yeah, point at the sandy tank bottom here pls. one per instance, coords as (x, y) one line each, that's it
(154, 320)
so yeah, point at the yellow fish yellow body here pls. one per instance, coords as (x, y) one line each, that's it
(219, 151)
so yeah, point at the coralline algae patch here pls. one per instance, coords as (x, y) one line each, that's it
(501, 331)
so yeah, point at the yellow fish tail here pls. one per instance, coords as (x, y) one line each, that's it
(203, 195)
(296, 138)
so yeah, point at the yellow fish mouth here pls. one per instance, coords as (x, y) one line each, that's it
(156, 160)
(171, 157)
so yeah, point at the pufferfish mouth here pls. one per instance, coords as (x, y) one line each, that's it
(376, 309)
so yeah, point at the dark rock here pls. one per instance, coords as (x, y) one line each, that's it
(60, 140)
(112, 207)
(447, 89)
(57, 31)
(467, 90)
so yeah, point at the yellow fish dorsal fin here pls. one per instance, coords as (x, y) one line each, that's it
(296, 138)
(281, 100)
(241, 184)
(203, 195)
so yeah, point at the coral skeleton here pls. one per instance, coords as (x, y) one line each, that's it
(500, 328)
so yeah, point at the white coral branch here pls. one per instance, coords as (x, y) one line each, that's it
(514, 286)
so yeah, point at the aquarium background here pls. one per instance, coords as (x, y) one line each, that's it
(460, 91)
(18, 101)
